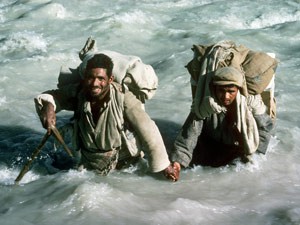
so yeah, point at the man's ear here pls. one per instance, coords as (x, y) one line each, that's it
(111, 79)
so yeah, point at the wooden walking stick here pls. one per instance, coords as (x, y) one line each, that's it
(61, 140)
(33, 156)
(39, 148)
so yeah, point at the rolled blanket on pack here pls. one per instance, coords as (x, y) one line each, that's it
(129, 71)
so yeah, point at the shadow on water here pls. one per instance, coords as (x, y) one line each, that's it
(168, 130)
(18, 143)
(283, 215)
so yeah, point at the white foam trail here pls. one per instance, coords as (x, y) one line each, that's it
(8, 176)
(24, 40)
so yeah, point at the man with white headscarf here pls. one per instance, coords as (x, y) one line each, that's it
(225, 124)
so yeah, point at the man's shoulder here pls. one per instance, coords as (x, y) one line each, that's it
(251, 99)
(128, 98)
(121, 90)
(118, 87)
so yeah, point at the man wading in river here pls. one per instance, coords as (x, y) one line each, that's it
(227, 125)
(102, 111)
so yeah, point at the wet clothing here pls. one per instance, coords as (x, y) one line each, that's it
(211, 135)
(217, 139)
(102, 142)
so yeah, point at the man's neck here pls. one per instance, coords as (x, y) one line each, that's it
(97, 104)
(231, 112)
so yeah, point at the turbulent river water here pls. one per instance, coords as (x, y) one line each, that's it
(39, 36)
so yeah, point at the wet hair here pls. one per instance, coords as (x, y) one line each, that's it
(100, 61)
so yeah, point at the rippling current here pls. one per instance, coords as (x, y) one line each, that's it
(39, 36)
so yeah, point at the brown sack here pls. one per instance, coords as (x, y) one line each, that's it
(259, 69)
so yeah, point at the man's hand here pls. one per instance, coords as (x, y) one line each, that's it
(48, 116)
(172, 172)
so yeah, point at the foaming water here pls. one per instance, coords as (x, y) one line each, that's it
(39, 36)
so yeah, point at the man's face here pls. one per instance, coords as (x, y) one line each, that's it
(97, 83)
(226, 94)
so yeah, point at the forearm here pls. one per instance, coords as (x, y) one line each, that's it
(187, 140)
(64, 98)
(263, 121)
(46, 112)
(264, 125)
(152, 141)
(150, 136)
(41, 100)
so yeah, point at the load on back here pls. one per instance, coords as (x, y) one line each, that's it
(129, 71)
(258, 68)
